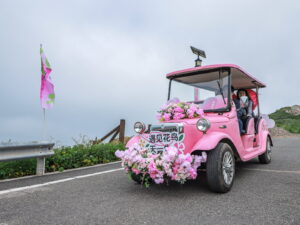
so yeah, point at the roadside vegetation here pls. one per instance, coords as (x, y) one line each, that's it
(287, 118)
(80, 155)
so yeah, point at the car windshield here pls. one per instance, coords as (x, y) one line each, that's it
(209, 90)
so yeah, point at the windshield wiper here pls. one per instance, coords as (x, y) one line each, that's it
(221, 91)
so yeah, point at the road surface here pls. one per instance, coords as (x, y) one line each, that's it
(262, 194)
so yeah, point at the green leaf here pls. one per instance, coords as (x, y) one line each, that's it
(181, 137)
(51, 96)
(48, 64)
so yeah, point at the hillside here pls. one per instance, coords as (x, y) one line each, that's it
(287, 118)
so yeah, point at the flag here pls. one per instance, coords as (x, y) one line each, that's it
(47, 88)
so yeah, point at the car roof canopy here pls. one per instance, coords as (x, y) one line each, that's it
(239, 78)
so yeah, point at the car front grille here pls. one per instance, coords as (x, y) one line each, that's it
(168, 127)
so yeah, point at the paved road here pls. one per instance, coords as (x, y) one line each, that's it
(262, 194)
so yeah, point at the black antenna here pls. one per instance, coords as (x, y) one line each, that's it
(199, 53)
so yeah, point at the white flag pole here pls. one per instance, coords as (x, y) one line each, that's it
(44, 126)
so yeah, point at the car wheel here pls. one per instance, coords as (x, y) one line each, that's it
(220, 168)
(266, 157)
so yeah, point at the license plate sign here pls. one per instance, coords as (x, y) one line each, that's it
(157, 141)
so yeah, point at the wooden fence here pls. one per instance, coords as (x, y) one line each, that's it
(120, 129)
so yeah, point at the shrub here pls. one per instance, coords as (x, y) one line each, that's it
(64, 158)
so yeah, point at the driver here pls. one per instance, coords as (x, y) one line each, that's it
(244, 108)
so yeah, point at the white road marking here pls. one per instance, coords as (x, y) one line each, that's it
(275, 171)
(56, 172)
(110, 171)
(265, 170)
(57, 181)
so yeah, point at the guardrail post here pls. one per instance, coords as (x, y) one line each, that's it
(122, 131)
(40, 166)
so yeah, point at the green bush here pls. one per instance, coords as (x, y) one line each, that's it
(286, 120)
(17, 168)
(64, 158)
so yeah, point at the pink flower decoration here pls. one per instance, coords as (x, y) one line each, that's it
(170, 163)
(200, 112)
(178, 116)
(174, 100)
(119, 154)
(167, 116)
(193, 173)
(158, 116)
(136, 171)
(159, 180)
(179, 109)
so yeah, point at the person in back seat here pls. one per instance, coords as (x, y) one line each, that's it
(244, 108)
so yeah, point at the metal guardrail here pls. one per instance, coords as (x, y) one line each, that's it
(37, 150)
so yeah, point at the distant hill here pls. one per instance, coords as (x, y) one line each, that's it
(287, 118)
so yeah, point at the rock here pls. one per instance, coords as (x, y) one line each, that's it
(294, 110)
(278, 131)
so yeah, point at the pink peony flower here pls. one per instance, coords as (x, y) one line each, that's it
(158, 116)
(185, 165)
(197, 161)
(178, 116)
(173, 100)
(119, 154)
(200, 112)
(167, 116)
(136, 171)
(164, 107)
(189, 158)
(190, 113)
(194, 107)
(171, 152)
(193, 173)
(178, 109)
(159, 180)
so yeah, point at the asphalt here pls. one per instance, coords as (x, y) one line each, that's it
(262, 194)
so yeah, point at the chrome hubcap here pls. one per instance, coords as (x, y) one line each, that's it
(228, 168)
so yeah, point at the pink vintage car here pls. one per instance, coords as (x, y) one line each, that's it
(216, 132)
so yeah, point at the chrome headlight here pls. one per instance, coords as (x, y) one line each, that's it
(139, 127)
(203, 124)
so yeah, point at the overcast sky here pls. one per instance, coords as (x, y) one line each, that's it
(109, 58)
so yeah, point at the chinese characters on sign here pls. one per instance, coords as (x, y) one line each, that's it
(163, 137)
(158, 141)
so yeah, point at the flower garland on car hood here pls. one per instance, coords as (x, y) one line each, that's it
(171, 164)
(176, 110)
